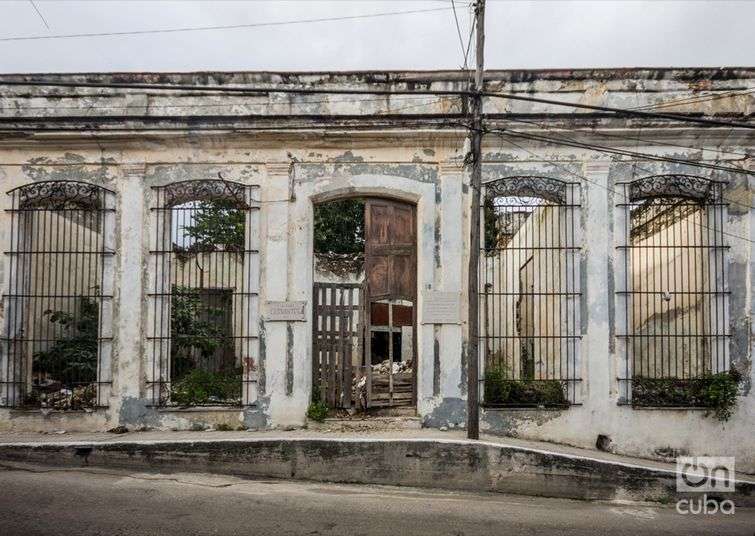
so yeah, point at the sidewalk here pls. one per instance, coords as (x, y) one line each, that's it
(414, 457)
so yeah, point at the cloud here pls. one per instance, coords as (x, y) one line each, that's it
(520, 34)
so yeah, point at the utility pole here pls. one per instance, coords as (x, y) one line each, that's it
(473, 373)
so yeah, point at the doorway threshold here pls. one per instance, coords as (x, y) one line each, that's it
(368, 423)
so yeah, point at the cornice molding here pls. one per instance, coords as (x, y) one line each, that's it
(451, 168)
(133, 170)
(278, 168)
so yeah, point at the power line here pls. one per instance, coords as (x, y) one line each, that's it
(613, 191)
(333, 101)
(691, 162)
(620, 136)
(231, 89)
(39, 13)
(472, 28)
(411, 122)
(622, 111)
(266, 90)
(217, 105)
(623, 152)
(224, 27)
(694, 100)
(336, 101)
(458, 31)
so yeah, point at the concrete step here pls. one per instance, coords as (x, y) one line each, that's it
(405, 459)
(388, 419)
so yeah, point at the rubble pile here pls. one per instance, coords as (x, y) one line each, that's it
(398, 367)
(80, 397)
(359, 384)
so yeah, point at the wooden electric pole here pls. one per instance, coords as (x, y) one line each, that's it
(473, 384)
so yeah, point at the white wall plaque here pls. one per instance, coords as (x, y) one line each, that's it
(284, 311)
(441, 307)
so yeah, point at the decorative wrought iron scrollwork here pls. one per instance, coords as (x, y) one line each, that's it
(205, 190)
(60, 194)
(673, 185)
(546, 188)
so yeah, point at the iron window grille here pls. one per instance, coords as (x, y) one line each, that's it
(57, 349)
(203, 314)
(674, 302)
(530, 292)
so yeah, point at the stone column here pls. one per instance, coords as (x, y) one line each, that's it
(131, 249)
(443, 376)
(452, 260)
(594, 358)
(278, 366)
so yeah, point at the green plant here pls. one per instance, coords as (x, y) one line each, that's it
(497, 388)
(72, 359)
(192, 328)
(317, 411)
(715, 391)
(198, 387)
(223, 427)
(217, 223)
(501, 389)
(491, 224)
(721, 394)
(339, 227)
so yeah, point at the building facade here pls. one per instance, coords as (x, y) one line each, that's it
(159, 267)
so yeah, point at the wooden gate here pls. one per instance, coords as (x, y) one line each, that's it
(344, 375)
(390, 249)
(337, 338)
(391, 277)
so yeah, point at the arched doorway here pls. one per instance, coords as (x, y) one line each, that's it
(364, 297)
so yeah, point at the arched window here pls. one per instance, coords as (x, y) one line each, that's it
(58, 328)
(675, 301)
(529, 292)
(203, 300)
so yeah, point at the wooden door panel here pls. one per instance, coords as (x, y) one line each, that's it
(403, 277)
(379, 276)
(402, 225)
(378, 223)
(390, 249)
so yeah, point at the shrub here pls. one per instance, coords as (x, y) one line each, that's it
(72, 359)
(317, 411)
(715, 391)
(500, 389)
(721, 394)
(203, 387)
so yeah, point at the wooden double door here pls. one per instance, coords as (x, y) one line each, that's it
(364, 335)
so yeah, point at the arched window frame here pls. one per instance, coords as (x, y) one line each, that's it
(167, 199)
(642, 364)
(35, 240)
(563, 365)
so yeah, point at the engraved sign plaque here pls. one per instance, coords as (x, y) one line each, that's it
(441, 307)
(285, 311)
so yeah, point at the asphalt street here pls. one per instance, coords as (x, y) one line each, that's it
(42, 500)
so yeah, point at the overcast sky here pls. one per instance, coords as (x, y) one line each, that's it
(520, 34)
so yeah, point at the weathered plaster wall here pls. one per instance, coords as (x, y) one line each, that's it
(163, 137)
(649, 432)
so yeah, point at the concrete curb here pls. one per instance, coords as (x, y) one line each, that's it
(429, 463)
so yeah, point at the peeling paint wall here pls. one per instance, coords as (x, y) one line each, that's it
(294, 169)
